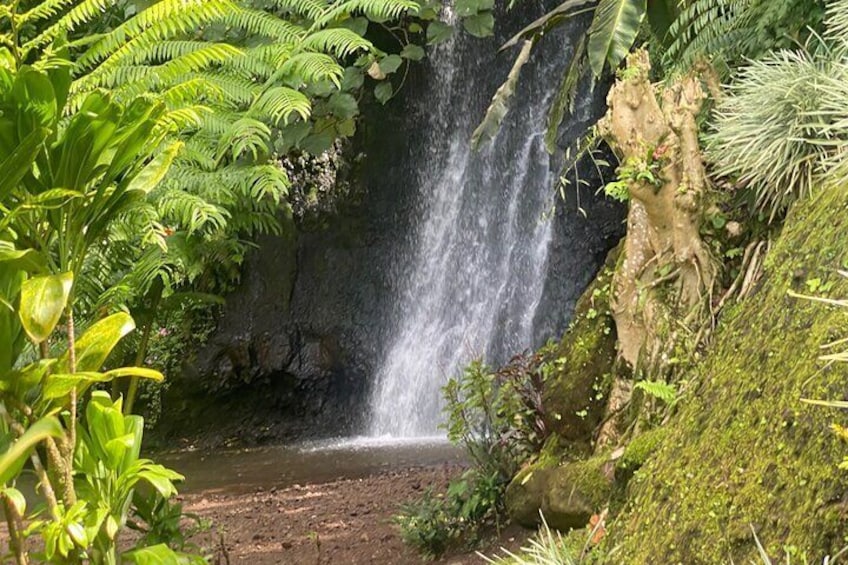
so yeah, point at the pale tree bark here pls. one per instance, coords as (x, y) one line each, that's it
(662, 288)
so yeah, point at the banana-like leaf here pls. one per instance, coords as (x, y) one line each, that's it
(499, 107)
(95, 345)
(613, 31)
(567, 9)
(565, 96)
(43, 299)
(12, 461)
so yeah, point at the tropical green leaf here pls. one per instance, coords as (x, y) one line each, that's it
(153, 173)
(480, 25)
(43, 299)
(95, 345)
(141, 372)
(613, 31)
(12, 460)
(438, 32)
(383, 92)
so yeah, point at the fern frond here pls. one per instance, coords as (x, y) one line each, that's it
(378, 10)
(262, 24)
(340, 42)
(162, 21)
(280, 103)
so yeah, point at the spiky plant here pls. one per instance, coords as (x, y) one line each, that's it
(782, 129)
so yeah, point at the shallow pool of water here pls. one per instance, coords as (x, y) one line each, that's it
(246, 470)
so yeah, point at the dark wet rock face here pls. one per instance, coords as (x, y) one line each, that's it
(297, 344)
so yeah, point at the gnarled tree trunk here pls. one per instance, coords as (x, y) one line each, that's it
(663, 285)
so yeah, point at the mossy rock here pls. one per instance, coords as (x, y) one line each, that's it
(637, 452)
(744, 451)
(575, 491)
(575, 396)
(525, 492)
(567, 494)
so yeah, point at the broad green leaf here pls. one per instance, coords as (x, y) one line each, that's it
(161, 555)
(153, 173)
(613, 31)
(142, 372)
(383, 92)
(343, 105)
(16, 165)
(95, 345)
(480, 25)
(12, 460)
(390, 64)
(60, 385)
(352, 80)
(438, 32)
(466, 8)
(43, 299)
(412, 52)
(27, 260)
(20, 381)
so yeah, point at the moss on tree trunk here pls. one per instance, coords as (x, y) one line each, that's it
(744, 450)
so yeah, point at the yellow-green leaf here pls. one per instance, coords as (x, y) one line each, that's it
(12, 460)
(43, 300)
(141, 372)
(95, 345)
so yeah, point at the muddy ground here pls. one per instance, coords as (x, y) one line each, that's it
(342, 522)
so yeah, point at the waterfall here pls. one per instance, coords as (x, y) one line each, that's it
(478, 252)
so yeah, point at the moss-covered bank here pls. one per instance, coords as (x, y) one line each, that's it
(744, 451)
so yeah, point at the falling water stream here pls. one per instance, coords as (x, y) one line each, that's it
(479, 250)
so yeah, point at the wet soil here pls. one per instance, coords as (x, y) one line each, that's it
(346, 521)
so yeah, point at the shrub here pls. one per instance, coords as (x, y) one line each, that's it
(435, 524)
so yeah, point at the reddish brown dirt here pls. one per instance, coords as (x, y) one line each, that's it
(342, 522)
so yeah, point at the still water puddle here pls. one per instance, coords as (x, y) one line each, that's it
(240, 471)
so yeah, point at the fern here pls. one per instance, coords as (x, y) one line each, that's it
(663, 391)
(229, 96)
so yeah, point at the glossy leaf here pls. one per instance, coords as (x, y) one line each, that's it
(27, 260)
(43, 299)
(153, 173)
(60, 385)
(141, 372)
(613, 32)
(95, 345)
(12, 460)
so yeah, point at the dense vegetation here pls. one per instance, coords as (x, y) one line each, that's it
(145, 145)
(727, 121)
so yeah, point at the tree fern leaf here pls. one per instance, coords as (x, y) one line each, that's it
(338, 41)
(281, 103)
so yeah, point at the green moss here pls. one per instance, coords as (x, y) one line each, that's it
(575, 396)
(744, 450)
(639, 450)
(576, 490)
